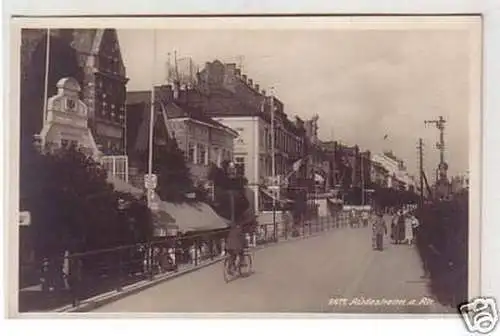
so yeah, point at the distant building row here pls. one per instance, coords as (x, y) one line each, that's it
(214, 114)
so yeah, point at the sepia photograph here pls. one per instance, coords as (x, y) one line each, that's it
(321, 165)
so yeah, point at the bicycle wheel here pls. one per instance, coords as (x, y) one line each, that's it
(246, 267)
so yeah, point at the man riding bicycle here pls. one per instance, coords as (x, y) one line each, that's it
(236, 244)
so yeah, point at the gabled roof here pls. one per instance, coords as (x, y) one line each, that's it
(139, 126)
(175, 110)
(83, 40)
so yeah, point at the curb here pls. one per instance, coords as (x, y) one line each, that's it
(106, 298)
(109, 297)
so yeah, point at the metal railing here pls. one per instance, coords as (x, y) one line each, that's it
(72, 278)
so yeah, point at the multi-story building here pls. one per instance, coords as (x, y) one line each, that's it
(379, 174)
(93, 58)
(202, 139)
(397, 177)
(104, 86)
(320, 157)
(237, 102)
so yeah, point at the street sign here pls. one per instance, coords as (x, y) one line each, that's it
(24, 218)
(152, 200)
(150, 181)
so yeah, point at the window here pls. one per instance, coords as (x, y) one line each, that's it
(64, 143)
(116, 166)
(216, 158)
(201, 154)
(191, 153)
(240, 166)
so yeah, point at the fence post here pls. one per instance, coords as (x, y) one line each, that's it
(75, 279)
(150, 260)
(212, 248)
(196, 254)
(120, 271)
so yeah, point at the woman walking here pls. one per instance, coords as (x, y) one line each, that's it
(409, 229)
(379, 229)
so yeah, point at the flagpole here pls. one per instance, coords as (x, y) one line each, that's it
(46, 84)
(151, 119)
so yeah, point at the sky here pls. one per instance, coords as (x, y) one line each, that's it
(362, 84)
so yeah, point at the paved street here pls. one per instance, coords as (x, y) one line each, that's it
(327, 273)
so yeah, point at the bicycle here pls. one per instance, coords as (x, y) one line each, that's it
(244, 267)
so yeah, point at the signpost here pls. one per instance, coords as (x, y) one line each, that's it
(24, 218)
(150, 181)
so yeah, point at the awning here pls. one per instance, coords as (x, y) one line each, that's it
(164, 224)
(192, 217)
(124, 187)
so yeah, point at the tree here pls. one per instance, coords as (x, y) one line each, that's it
(174, 177)
(72, 205)
(225, 188)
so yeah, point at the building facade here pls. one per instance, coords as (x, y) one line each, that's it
(379, 174)
(104, 86)
(93, 58)
(234, 100)
(67, 121)
(397, 174)
(203, 140)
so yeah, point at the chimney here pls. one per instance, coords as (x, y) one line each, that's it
(257, 87)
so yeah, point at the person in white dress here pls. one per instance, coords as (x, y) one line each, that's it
(409, 229)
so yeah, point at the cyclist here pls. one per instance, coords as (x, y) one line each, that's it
(235, 245)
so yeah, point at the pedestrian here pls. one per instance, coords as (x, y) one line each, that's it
(353, 218)
(379, 229)
(400, 228)
(388, 218)
(414, 224)
(365, 218)
(394, 225)
(409, 229)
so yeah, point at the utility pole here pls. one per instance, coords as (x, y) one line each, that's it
(421, 170)
(443, 166)
(46, 79)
